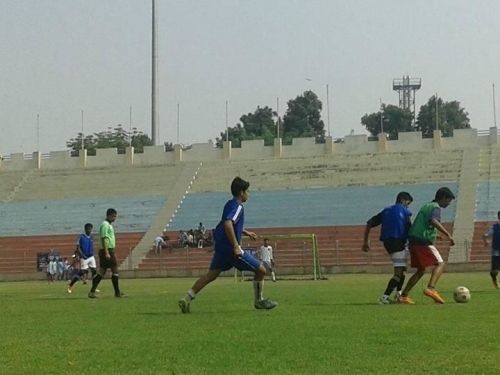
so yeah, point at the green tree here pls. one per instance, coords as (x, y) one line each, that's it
(449, 116)
(256, 125)
(111, 138)
(394, 120)
(303, 118)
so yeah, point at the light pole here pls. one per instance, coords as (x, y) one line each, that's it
(82, 145)
(381, 117)
(130, 127)
(494, 109)
(154, 73)
(227, 125)
(37, 132)
(278, 114)
(437, 112)
(328, 108)
(327, 105)
(178, 118)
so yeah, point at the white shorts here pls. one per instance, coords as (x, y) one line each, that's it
(52, 268)
(85, 264)
(399, 258)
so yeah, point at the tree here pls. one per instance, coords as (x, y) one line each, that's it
(449, 116)
(256, 125)
(303, 118)
(111, 138)
(394, 120)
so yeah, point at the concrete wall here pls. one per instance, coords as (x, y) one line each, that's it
(253, 150)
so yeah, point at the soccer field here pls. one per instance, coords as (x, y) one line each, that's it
(333, 326)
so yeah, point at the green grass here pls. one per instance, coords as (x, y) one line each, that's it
(320, 327)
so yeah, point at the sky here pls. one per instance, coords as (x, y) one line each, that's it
(61, 57)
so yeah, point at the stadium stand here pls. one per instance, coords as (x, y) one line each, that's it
(325, 196)
(50, 207)
(331, 195)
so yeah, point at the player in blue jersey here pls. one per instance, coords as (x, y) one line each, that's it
(85, 251)
(494, 233)
(395, 221)
(228, 252)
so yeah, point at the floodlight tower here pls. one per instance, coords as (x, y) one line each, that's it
(154, 79)
(406, 88)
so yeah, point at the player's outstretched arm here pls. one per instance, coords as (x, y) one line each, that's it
(485, 240)
(366, 246)
(435, 223)
(250, 234)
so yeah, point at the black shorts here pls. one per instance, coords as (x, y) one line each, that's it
(495, 262)
(394, 245)
(105, 262)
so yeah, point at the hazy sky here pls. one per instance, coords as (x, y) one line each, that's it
(58, 57)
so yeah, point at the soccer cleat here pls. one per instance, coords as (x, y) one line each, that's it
(265, 304)
(495, 284)
(184, 305)
(406, 300)
(397, 296)
(384, 300)
(119, 295)
(70, 291)
(433, 293)
(92, 295)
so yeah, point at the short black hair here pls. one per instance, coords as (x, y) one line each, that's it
(88, 225)
(403, 195)
(444, 193)
(238, 185)
(111, 211)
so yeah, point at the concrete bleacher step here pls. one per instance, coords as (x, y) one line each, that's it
(289, 254)
(341, 170)
(182, 185)
(20, 253)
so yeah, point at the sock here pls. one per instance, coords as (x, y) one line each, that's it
(190, 295)
(391, 285)
(258, 287)
(400, 284)
(493, 275)
(114, 280)
(95, 282)
(73, 281)
(274, 275)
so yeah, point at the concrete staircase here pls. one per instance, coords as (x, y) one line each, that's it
(463, 228)
(175, 198)
(19, 186)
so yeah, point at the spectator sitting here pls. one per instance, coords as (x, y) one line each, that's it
(201, 228)
(182, 239)
(190, 238)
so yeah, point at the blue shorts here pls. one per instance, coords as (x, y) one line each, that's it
(226, 260)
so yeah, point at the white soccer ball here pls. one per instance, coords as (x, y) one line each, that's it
(461, 294)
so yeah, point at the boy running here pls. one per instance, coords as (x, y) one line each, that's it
(422, 235)
(395, 221)
(228, 252)
(494, 233)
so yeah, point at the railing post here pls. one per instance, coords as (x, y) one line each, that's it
(337, 245)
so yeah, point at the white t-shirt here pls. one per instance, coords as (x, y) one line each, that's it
(266, 253)
(159, 241)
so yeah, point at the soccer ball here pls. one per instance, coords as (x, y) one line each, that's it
(461, 294)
